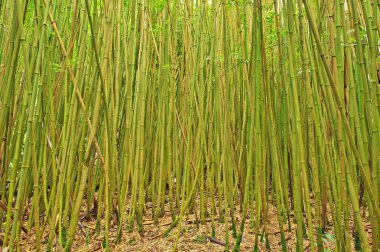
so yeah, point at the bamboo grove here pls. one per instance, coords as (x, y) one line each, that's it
(217, 107)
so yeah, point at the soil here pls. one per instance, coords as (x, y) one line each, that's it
(194, 236)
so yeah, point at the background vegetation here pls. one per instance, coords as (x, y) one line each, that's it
(215, 107)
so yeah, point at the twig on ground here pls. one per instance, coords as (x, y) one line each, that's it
(216, 241)
(81, 227)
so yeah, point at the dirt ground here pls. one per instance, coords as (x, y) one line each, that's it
(194, 237)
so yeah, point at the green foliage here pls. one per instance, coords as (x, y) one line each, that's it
(200, 239)
(132, 241)
(159, 5)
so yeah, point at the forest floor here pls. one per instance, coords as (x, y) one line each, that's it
(194, 237)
